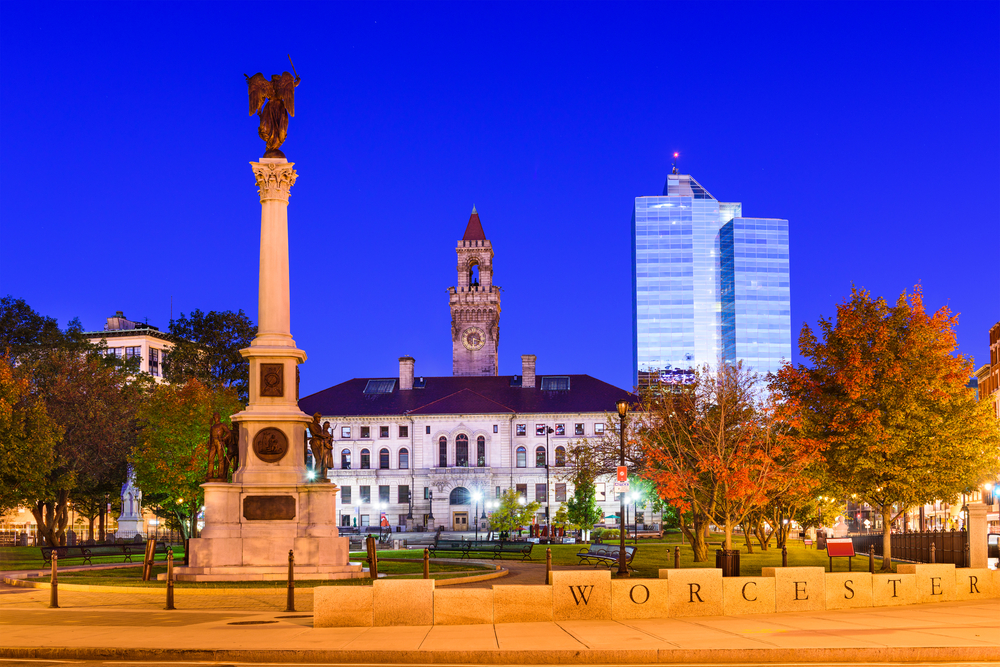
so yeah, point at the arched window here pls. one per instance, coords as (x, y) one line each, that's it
(540, 457)
(443, 452)
(474, 273)
(383, 459)
(345, 459)
(481, 452)
(522, 455)
(560, 456)
(459, 496)
(462, 450)
(404, 458)
(366, 459)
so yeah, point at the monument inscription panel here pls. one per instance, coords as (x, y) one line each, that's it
(270, 445)
(268, 508)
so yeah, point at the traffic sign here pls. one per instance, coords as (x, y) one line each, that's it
(623, 473)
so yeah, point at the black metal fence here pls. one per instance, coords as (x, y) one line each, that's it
(935, 546)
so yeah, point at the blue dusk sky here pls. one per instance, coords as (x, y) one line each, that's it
(874, 128)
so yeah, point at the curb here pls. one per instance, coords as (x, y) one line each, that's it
(521, 657)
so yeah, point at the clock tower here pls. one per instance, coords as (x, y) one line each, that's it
(475, 305)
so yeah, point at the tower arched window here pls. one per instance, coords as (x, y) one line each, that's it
(383, 459)
(462, 450)
(345, 459)
(540, 461)
(481, 452)
(474, 273)
(443, 452)
(404, 458)
(560, 456)
(366, 459)
(522, 455)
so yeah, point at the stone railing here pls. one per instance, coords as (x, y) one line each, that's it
(574, 595)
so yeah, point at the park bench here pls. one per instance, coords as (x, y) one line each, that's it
(494, 550)
(807, 543)
(522, 549)
(88, 552)
(605, 554)
(640, 534)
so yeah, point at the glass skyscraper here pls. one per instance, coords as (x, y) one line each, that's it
(708, 285)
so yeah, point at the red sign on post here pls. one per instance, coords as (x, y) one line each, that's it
(622, 473)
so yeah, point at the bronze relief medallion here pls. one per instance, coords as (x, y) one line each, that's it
(272, 380)
(270, 445)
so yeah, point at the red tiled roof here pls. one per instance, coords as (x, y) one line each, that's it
(474, 231)
(466, 395)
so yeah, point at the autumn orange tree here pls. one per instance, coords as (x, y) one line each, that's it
(886, 392)
(717, 448)
(170, 459)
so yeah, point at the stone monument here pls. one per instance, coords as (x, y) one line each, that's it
(130, 519)
(270, 507)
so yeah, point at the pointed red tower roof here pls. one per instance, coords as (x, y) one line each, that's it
(474, 231)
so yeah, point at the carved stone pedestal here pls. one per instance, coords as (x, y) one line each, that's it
(251, 524)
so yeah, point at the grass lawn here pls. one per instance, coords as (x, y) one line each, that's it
(30, 558)
(133, 576)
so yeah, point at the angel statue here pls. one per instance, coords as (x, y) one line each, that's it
(274, 102)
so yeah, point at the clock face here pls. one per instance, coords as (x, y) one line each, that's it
(473, 338)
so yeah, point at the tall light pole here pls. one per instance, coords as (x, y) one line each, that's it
(548, 525)
(622, 406)
(475, 515)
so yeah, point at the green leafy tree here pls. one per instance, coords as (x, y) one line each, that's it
(581, 507)
(207, 348)
(513, 512)
(171, 457)
(28, 438)
(886, 392)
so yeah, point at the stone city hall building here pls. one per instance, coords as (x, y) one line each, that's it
(430, 451)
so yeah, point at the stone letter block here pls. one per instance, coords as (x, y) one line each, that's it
(974, 584)
(798, 588)
(581, 595)
(695, 591)
(458, 606)
(847, 590)
(748, 595)
(404, 602)
(893, 589)
(522, 604)
(639, 598)
(342, 606)
(935, 583)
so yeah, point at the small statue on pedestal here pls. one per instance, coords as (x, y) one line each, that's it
(321, 444)
(279, 93)
(232, 451)
(219, 437)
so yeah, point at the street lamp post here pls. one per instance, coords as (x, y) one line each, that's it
(548, 525)
(622, 406)
(430, 506)
(475, 514)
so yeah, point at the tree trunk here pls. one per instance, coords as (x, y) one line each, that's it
(90, 527)
(747, 537)
(886, 538)
(100, 523)
(729, 532)
(51, 518)
(763, 539)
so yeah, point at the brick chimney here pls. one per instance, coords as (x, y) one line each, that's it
(528, 371)
(406, 373)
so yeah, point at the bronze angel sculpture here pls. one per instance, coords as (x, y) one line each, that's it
(274, 102)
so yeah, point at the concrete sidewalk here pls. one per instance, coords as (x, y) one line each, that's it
(956, 631)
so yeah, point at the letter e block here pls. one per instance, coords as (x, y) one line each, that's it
(935, 583)
(798, 588)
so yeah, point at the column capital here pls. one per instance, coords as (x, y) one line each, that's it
(275, 178)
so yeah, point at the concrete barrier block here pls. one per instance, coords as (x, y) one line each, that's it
(463, 606)
(848, 590)
(974, 584)
(404, 602)
(639, 598)
(581, 595)
(343, 607)
(747, 595)
(935, 583)
(798, 588)
(893, 589)
(522, 604)
(694, 591)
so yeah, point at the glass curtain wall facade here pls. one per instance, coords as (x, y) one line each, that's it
(707, 285)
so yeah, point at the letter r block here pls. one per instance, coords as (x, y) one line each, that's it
(695, 591)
